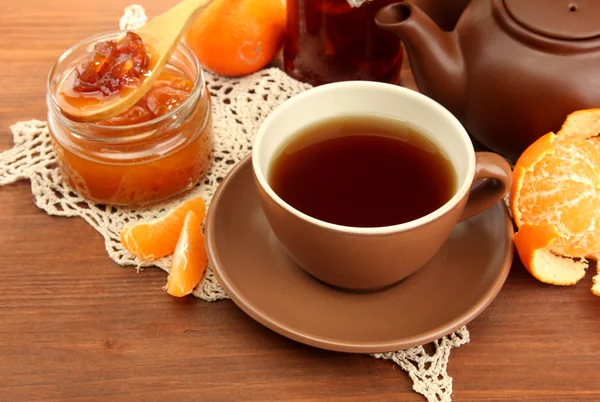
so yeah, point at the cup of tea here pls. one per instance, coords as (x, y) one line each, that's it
(362, 182)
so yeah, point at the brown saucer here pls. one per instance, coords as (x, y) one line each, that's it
(450, 291)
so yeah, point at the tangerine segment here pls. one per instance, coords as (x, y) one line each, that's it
(533, 245)
(189, 260)
(532, 155)
(158, 238)
(557, 183)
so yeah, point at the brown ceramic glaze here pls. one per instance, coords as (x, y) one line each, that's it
(455, 286)
(444, 12)
(495, 175)
(366, 259)
(511, 71)
(356, 261)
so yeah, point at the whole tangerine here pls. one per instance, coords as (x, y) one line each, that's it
(238, 37)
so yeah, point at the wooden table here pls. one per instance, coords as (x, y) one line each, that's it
(75, 326)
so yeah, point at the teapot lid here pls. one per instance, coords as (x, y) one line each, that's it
(560, 19)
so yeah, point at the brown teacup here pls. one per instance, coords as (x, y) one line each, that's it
(371, 258)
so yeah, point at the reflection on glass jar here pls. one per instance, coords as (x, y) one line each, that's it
(328, 41)
(141, 162)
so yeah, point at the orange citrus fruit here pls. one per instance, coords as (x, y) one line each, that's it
(189, 259)
(238, 37)
(158, 238)
(555, 201)
(532, 243)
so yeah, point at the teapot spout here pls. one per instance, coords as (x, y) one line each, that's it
(435, 56)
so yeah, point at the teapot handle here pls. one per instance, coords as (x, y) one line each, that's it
(497, 176)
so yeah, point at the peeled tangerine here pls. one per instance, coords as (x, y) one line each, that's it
(555, 201)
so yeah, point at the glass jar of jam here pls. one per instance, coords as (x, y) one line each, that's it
(160, 147)
(328, 41)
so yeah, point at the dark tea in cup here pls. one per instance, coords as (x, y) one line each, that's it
(363, 171)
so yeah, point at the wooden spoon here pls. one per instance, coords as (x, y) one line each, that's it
(162, 35)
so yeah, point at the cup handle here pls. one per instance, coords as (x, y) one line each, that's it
(497, 174)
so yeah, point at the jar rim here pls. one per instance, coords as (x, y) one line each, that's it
(196, 93)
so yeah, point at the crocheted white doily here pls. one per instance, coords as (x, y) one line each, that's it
(239, 107)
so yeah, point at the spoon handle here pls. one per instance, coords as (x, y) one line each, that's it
(167, 29)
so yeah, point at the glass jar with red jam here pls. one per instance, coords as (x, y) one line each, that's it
(329, 40)
(158, 148)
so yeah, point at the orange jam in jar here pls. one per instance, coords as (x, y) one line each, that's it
(160, 147)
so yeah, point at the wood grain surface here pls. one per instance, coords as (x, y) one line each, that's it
(75, 326)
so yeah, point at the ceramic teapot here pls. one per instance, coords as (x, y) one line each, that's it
(511, 70)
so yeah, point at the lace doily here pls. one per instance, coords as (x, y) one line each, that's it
(239, 107)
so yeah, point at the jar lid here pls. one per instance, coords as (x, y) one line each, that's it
(560, 19)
